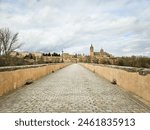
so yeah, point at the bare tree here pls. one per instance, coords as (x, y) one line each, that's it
(1, 48)
(8, 41)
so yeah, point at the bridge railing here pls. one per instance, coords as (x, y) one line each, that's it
(14, 77)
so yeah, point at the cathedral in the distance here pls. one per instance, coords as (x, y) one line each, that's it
(100, 56)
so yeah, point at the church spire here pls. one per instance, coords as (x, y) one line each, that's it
(101, 50)
(91, 51)
(91, 46)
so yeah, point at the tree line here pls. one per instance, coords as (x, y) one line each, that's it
(49, 54)
(134, 61)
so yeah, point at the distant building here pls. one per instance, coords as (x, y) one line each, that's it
(23, 54)
(37, 56)
(101, 56)
(14, 53)
(51, 59)
(67, 57)
(19, 54)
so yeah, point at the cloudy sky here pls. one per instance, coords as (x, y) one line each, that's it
(121, 27)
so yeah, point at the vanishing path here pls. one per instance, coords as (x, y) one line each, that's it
(71, 89)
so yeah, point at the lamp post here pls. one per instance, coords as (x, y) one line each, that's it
(62, 57)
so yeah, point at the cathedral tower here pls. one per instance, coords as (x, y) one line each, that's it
(91, 51)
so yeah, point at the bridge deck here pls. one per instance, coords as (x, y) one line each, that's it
(72, 89)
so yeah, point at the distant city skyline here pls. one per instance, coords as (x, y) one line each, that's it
(120, 27)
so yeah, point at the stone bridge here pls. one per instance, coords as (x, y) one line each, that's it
(71, 89)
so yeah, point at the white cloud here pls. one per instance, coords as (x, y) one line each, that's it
(120, 27)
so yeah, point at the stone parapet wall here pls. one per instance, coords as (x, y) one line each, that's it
(135, 80)
(14, 77)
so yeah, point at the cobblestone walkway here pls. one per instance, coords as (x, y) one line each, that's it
(72, 89)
